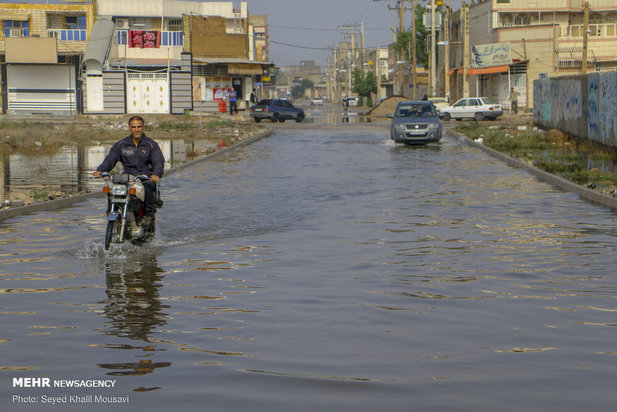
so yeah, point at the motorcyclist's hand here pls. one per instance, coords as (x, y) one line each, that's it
(154, 178)
(96, 174)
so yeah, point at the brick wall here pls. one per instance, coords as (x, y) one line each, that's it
(208, 38)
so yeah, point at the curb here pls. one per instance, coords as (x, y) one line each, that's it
(566, 185)
(68, 201)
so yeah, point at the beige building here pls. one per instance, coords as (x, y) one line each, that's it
(499, 44)
(40, 49)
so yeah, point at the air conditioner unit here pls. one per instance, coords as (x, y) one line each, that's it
(16, 33)
(122, 24)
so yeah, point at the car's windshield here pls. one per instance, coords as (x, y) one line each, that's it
(266, 102)
(414, 110)
(489, 101)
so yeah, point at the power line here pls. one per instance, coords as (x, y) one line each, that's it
(321, 29)
(300, 47)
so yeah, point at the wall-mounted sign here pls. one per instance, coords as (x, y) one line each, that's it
(492, 54)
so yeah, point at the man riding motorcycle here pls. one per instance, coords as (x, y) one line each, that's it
(139, 155)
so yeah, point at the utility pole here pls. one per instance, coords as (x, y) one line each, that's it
(585, 36)
(350, 30)
(362, 56)
(377, 70)
(446, 55)
(414, 60)
(401, 28)
(433, 50)
(465, 11)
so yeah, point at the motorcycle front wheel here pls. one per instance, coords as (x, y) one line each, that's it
(112, 234)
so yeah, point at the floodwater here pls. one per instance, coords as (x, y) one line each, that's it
(321, 269)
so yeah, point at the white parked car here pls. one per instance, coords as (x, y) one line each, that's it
(317, 101)
(350, 101)
(478, 108)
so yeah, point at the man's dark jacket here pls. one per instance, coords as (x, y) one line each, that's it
(144, 159)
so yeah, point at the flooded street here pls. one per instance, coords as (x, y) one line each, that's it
(321, 269)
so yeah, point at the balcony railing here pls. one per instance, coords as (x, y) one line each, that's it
(68, 35)
(168, 38)
(595, 30)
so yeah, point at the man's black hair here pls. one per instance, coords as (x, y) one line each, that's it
(137, 118)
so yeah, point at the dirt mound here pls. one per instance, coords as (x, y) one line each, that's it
(385, 107)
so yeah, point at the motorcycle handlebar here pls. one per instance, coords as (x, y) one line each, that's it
(106, 174)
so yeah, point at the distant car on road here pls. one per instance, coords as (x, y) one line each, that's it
(317, 101)
(415, 123)
(350, 101)
(277, 110)
(478, 108)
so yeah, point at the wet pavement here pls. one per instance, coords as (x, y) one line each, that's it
(322, 268)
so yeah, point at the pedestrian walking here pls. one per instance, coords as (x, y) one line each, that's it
(514, 100)
(253, 97)
(233, 96)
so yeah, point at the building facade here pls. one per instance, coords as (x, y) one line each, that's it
(497, 45)
(40, 50)
(128, 56)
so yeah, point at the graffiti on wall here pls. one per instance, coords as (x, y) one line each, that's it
(607, 116)
(583, 105)
(570, 99)
(593, 102)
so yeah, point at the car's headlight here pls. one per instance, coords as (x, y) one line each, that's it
(118, 190)
(433, 126)
(399, 126)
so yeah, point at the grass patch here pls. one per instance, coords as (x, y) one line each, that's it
(553, 151)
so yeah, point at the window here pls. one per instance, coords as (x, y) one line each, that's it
(506, 21)
(75, 22)
(16, 28)
(174, 25)
(521, 20)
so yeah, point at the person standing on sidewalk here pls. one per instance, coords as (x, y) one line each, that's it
(514, 100)
(253, 97)
(233, 96)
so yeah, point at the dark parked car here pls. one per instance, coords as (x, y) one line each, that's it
(415, 123)
(277, 110)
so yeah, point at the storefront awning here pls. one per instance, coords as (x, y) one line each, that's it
(488, 70)
(235, 66)
(484, 70)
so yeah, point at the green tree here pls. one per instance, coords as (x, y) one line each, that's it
(364, 83)
(403, 39)
(299, 90)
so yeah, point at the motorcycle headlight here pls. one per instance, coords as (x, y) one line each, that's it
(118, 190)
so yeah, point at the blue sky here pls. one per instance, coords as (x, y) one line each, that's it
(305, 29)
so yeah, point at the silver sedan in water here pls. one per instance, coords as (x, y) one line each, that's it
(415, 123)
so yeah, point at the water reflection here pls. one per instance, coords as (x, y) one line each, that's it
(345, 118)
(133, 303)
(27, 178)
(134, 309)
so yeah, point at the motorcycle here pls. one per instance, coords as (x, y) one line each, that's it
(125, 209)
